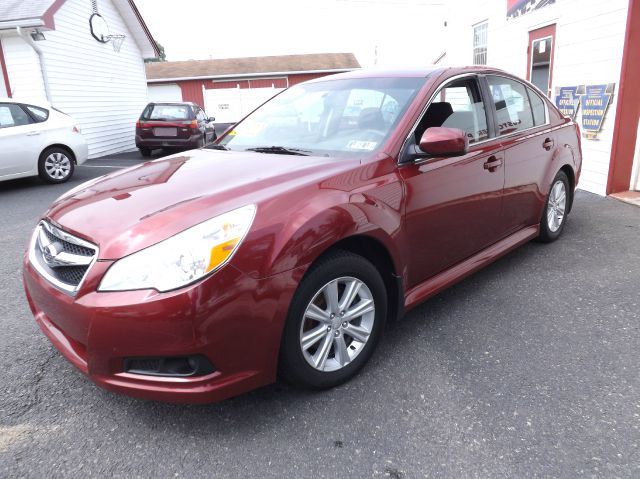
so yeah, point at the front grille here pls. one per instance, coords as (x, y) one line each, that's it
(68, 246)
(60, 257)
(72, 274)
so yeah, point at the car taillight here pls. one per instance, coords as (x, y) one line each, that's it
(193, 125)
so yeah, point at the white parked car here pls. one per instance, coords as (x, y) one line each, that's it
(37, 139)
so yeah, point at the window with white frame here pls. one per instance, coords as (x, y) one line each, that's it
(480, 43)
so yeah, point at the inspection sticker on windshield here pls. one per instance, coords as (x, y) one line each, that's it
(362, 145)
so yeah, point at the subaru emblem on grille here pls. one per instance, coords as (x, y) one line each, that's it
(50, 252)
(61, 258)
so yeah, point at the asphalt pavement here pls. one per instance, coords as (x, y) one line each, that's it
(530, 368)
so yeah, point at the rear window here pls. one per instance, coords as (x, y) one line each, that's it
(39, 114)
(12, 115)
(167, 112)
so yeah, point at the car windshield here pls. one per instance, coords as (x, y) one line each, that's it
(331, 118)
(167, 112)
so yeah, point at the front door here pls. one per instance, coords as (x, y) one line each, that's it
(453, 204)
(17, 133)
(540, 57)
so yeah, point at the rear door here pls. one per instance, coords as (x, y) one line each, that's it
(523, 125)
(453, 204)
(18, 140)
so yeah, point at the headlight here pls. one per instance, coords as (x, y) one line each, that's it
(183, 258)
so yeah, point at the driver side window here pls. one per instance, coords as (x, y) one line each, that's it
(457, 105)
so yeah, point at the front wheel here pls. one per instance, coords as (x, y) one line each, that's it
(334, 321)
(555, 212)
(55, 165)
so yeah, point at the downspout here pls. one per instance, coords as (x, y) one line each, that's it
(43, 67)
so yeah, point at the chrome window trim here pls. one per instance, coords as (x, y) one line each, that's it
(533, 88)
(35, 262)
(547, 123)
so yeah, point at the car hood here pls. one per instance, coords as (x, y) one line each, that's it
(133, 208)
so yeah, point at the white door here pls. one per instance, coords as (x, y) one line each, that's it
(19, 141)
(252, 98)
(229, 105)
(171, 92)
(223, 104)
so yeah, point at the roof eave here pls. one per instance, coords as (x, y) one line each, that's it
(249, 75)
(23, 22)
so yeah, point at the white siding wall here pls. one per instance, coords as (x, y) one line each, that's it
(589, 43)
(3, 87)
(23, 69)
(103, 90)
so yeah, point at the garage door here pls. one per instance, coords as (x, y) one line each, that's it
(170, 92)
(229, 105)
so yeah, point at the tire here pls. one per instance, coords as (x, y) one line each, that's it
(554, 216)
(56, 165)
(145, 152)
(309, 312)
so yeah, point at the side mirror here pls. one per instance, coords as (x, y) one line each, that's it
(439, 141)
(210, 119)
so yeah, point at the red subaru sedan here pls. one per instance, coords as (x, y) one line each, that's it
(285, 247)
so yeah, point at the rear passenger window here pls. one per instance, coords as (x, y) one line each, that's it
(513, 109)
(537, 106)
(12, 115)
(40, 114)
(457, 105)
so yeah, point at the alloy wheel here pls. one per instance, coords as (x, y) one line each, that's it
(337, 324)
(556, 206)
(57, 165)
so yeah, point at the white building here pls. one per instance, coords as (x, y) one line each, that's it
(566, 43)
(63, 51)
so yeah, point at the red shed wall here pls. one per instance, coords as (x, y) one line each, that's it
(192, 89)
(299, 78)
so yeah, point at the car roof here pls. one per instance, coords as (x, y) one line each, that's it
(26, 101)
(180, 103)
(409, 72)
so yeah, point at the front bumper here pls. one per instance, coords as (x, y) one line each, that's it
(235, 321)
(81, 151)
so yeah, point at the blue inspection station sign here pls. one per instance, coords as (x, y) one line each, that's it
(568, 100)
(595, 102)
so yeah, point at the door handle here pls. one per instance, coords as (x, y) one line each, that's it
(492, 164)
(33, 133)
(548, 144)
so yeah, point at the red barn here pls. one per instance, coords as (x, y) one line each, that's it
(230, 88)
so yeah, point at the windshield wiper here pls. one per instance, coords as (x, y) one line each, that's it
(280, 150)
(216, 147)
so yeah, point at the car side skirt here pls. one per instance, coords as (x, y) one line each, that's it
(443, 280)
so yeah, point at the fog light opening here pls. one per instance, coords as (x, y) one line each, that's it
(182, 366)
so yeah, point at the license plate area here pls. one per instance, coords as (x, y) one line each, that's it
(165, 132)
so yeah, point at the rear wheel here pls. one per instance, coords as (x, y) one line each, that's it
(55, 165)
(146, 152)
(334, 322)
(555, 212)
